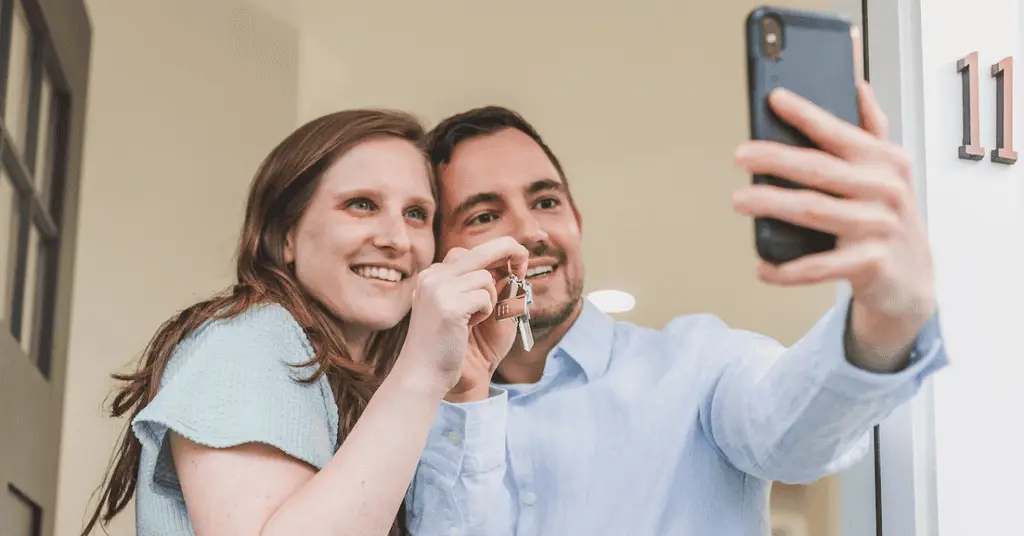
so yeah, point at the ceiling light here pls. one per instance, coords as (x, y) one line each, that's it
(612, 301)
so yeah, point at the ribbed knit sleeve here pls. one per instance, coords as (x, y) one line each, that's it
(234, 382)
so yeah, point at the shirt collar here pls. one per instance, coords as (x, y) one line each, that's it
(589, 341)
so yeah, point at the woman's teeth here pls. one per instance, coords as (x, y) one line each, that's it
(378, 272)
(539, 270)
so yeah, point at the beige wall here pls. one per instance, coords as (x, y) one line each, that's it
(186, 98)
(644, 105)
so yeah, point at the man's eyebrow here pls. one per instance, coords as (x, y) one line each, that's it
(476, 199)
(535, 187)
(544, 185)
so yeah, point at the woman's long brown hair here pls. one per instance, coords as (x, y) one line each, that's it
(278, 196)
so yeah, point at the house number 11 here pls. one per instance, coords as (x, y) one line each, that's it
(1003, 73)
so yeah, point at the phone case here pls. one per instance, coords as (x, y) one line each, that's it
(816, 61)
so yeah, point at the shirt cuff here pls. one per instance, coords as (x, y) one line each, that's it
(468, 438)
(928, 354)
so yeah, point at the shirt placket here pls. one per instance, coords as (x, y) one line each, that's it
(523, 445)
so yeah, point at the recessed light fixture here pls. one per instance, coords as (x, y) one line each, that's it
(612, 301)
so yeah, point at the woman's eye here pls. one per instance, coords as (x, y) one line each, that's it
(361, 204)
(418, 214)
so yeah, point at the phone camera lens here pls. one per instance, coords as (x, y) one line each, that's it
(772, 37)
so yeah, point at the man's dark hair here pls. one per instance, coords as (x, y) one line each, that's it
(448, 134)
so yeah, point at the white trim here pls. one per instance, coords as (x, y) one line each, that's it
(857, 484)
(907, 438)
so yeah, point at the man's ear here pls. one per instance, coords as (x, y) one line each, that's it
(579, 218)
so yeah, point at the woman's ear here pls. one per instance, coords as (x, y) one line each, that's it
(289, 248)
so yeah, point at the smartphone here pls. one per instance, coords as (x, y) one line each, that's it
(813, 54)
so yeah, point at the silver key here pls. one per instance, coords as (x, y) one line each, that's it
(517, 306)
(514, 305)
(525, 332)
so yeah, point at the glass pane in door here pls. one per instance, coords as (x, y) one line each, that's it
(9, 221)
(19, 80)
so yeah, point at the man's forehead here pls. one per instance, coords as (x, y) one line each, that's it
(503, 149)
(501, 183)
(490, 164)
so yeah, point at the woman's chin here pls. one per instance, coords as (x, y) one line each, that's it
(375, 317)
(380, 323)
(369, 313)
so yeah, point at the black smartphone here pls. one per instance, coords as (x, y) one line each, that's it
(813, 55)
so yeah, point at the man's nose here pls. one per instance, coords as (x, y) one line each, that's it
(528, 229)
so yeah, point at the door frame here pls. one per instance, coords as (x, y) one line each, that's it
(899, 472)
(33, 382)
(860, 486)
(905, 442)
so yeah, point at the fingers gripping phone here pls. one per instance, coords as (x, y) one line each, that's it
(814, 55)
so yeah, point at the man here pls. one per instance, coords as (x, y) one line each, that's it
(608, 428)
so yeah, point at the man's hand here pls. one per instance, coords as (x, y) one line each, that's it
(490, 339)
(482, 360)
(882, 247)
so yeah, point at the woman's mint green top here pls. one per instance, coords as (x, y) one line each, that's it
(232, 382)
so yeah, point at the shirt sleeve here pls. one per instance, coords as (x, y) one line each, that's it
(798, 414)
(235, 382)
(459, 483)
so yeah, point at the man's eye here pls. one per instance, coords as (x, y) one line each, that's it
(486, 217)
(547, 203)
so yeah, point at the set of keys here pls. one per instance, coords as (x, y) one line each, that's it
(517, 306)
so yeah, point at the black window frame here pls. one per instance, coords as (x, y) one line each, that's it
(38, 208)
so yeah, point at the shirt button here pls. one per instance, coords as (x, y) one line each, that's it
(454, 438)
(454, 531)
(517, 410)
(529, 498)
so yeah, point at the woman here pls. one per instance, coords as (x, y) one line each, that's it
(299, 401)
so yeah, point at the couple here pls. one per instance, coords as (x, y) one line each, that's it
(345, 364)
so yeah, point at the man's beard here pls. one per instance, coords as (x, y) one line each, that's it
(556, 316)
(541, 320)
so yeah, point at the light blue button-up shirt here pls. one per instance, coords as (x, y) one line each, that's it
(636, 432)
